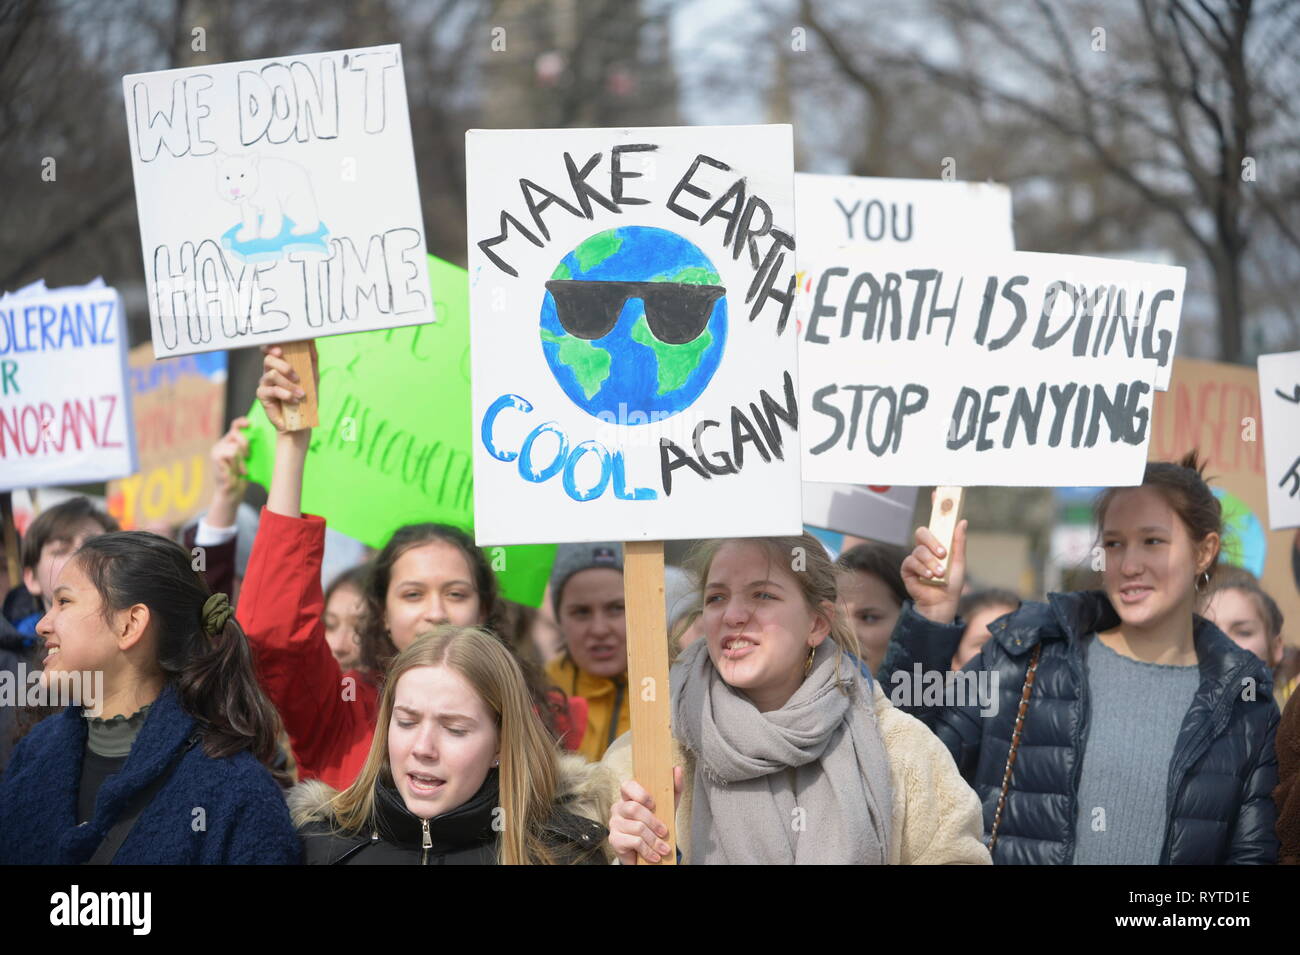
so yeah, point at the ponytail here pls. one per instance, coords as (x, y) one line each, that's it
(201, 649)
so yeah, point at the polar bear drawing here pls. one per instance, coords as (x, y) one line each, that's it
(270, 188)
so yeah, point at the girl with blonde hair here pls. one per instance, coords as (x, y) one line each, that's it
(460, 771)
(789, 753)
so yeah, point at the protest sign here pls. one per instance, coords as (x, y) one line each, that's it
(833, 211)
(1014, 369)
(179, 405)
(393, 446)
(634, 356)
(278, 200)
(1279, 392)
(634, 343)
(65, 416)
(920, 215)
(1214, 408)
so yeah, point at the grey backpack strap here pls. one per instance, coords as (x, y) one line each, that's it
(139, 802)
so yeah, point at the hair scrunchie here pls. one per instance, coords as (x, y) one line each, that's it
(216, 612)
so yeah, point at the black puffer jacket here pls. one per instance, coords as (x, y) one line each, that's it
(464, 836)
(1221, 775)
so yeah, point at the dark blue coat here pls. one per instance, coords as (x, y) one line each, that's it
(1223, 770)
(210, 811)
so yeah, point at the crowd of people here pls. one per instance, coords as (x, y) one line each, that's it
(404, 712)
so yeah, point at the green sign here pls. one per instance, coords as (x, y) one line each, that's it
(393, 446)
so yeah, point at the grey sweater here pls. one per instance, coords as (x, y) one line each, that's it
(1135, 712)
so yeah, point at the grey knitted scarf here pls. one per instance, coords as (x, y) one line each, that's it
(805, 784)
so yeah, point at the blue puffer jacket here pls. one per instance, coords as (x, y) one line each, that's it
(1220, 778)
(210, 811)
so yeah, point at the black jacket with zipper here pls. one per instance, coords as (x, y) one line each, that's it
(463, 836)
(1218, 804)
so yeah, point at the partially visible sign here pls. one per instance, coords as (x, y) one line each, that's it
(65, 417)
(179, 409)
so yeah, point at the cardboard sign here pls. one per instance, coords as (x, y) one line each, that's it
(834, 211)
(65, 417)
(632, 293)
(179, 405)
(1019, 369)
(1215, 408)
(1279, 392)
(278, 200)
(393, 446)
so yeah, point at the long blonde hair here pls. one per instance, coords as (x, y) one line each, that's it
(528, 774)
(809, 564)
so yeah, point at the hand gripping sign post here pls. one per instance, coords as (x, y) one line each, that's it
(900, 215)
(1019, 369)
(633, 344)
(278, 203)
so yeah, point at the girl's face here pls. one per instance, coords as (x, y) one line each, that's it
(871, 606)
(442, 740)
(77, 637)
(1151, 562)
(1236, 614)
(758, 625)
(977, 633)
(341, 615)
(593, 623)
(430, 585)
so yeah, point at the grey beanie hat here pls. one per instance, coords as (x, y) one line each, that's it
(572, 558)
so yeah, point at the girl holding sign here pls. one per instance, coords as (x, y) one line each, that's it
(166, 764)
(788, 753)
(1125, 729)
(460, 771)
(427, 575)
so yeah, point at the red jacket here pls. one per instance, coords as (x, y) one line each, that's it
(329, 715)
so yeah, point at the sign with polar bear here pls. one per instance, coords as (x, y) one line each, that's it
(633, 333)
(278, 200)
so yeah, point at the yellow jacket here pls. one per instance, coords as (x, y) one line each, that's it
(608, 713)
(937, 819)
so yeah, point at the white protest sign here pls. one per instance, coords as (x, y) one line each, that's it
(65, 417)
(1016, 369)
(833, 211)
(1279, 397)
(633, 335)
(913, 214)
(879, 513)
(278, 200)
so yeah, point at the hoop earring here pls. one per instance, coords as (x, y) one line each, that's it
(1197, 585)
(808, 664)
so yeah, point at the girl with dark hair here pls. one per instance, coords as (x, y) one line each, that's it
(427, 575)
(1123, 728)
(344, 603)
(872, 593)
(169, 763)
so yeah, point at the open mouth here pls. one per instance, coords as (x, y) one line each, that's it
(1134, 593)
(603, 654)
(50, 652)
(425, 784)
(734, 648)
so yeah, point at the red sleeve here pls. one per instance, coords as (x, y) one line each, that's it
(281, 608)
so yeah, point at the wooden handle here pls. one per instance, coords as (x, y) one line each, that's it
(944, 516)
(10, 538)
(647, 680)
(300, 415)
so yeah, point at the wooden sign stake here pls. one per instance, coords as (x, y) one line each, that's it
(945, 514)
(647, 681)
(302, 414)
(10, 538)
